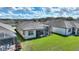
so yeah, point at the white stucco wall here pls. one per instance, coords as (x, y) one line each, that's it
(58, 30)
(26, 36)
(62, 31)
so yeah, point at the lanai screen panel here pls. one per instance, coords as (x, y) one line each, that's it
(5, 35)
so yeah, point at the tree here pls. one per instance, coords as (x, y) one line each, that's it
(70, 18)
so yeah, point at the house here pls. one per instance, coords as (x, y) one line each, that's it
(6, 31)
(30, 29)
(75, 27)
(7, 38)
(62, 27)
(7, 35)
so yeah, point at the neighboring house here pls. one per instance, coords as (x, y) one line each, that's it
(11, 22)
(75, 27)
(30, 29)
(6, 31)
(7, 35)
(61, 27)
(7, 26)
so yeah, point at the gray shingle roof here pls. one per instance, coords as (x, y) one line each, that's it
(60, 23)
(68, 24)
(75, 24)
(31, 25)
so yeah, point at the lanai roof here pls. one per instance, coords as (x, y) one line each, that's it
(9, 27)
(5, 33)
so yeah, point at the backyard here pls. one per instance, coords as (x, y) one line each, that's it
(52, 42)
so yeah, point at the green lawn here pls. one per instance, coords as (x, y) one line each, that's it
(52, 42)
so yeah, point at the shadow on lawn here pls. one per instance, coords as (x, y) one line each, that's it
(34, 38)
(61, 35)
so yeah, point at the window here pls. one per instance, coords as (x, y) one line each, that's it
(30, 33)
(41, 32)
(69, 30)
(78, 31)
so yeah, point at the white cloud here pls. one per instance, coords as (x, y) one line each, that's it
(46, 12)
(17, 8)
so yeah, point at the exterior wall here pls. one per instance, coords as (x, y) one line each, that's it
(63, 31)
(26, 36)
(58, 30)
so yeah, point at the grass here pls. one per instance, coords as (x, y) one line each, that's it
(53, 42)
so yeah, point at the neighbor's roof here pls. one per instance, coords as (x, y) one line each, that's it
(27, 25)
(68, 24)
(60, 23)
(5, 33)
(75, 24)
(9, 27)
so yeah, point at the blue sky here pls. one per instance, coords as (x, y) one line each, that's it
(38, 12)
